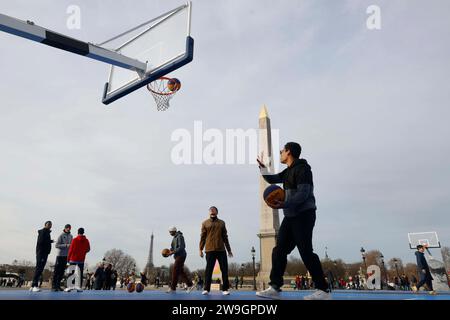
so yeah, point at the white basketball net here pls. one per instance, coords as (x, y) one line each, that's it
(161, 93)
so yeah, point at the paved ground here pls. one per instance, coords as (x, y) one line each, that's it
(17, 294)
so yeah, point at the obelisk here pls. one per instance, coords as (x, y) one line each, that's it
(269, 218)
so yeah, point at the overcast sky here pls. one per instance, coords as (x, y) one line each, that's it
(370, 108)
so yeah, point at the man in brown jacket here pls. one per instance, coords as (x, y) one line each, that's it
(214, 239)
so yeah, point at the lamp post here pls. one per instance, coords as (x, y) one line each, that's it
(363, 254)
(242, 274)
(336, 277)
(254, 268)
(384, 269)
(396, 267)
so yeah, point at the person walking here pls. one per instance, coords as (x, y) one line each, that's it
(108, 277)
(114, 277)
(78, 249)
(296, 229)
(178, 250)
(43, 249)
(214, 239)
(424, 271)
(62, 246)
(99, 276)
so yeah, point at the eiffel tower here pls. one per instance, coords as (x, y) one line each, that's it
(149, 266)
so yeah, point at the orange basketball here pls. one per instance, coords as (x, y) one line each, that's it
(174, 84)
(165, 252)
(272, 194)
(131, 287)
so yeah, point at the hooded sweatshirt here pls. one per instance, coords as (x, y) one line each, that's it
(63, 243)
(178, 245)
(78, 249)
(44, 243)
(421, 261)
(298, 186)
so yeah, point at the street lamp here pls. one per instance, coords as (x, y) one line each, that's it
(254, 268)
(242, 274)
(384, 269)
(396, 268)
(363, 254)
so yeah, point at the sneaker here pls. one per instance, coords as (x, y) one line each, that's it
(318, 295)
(226, 293)
(35, 289)
(79, 289)
(170, 290)
(269, 293)
(414, 289)
(67, 290)
(432, 292)
(205, 292)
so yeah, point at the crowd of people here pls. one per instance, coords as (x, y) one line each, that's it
(403, 282)
(12, 282)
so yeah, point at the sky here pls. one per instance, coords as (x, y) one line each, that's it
(369, 107)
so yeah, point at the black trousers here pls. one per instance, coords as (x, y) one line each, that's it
(60, 267)
(41, 260)
(297, 232)
(425, 278)
(178, 272)
(211, 258)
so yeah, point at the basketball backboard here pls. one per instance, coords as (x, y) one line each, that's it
(164, 46)
(429, 239)
(161, 45)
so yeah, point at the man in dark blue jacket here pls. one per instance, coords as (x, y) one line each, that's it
(296, 230)
(43, 248)
(424, 270)
(178, 250)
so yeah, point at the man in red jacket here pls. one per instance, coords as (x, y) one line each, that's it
(77, 252)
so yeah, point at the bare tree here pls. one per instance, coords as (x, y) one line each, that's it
(352, 269)
(395, 267)
(234, 269)
(445, 251)
(23, 263)
(295, 266)
(411, 270)
(373, 257)
(122, 262)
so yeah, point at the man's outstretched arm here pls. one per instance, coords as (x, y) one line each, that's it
(270, 178)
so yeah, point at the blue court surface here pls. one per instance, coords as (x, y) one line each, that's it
(196, 295)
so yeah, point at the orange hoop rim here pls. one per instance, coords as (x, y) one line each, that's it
(161, 93)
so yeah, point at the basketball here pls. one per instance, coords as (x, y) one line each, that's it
(139, 287)
(165, 252)
(273, 193)
(174, 84)
(131, 287)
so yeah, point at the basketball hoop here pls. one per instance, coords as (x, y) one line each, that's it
(161, 92)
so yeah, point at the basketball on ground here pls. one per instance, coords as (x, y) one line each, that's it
(272, 194)
(139, 287)
(174, 84)
(165, 252)
(131, 287)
